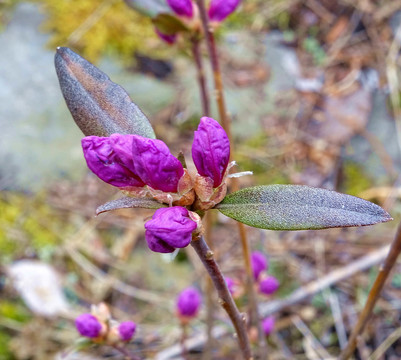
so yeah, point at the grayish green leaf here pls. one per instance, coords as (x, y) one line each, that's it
(98, 106)
(297, 207)
(128, 203)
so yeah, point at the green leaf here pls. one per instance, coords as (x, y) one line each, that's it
(169, 24)
(98, 106)
(149, 8)
(297, 207)
(128, 203)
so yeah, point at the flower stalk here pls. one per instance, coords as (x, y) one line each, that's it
(225, 298)
(225, 121)
(196, 53)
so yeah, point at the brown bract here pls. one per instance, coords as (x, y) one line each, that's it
(206, 195)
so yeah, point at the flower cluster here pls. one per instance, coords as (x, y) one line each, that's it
(188, 303)
(101, 328)
(267, 284)
(187, 12)
(145, 168)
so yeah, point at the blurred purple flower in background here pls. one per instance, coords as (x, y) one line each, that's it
(188, 302)
(169, 228)
(220, 9)
(268, 325)
(211, 150)
(169, 39)
(258, 263)
(126, 330)
(268, 285)
(230, 284)
(88, 325)
(182, 7)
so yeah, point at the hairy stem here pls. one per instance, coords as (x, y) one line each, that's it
(210, 305)
(374, 294)
(201, 76)
(225, 122)
(225, 298)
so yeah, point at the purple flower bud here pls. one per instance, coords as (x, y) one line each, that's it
(211, 150)
(169, 228)
(88, 325)
(155, 165)
(111, 163)
(258, 263)
(268, 325)
(220, 9)
(268, 285)
(230, 284)
(188, 302)
(126, 330)
(182, 7)
(169, 39)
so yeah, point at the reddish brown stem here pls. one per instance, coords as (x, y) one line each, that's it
(214, 60)
(225, 298)
(374, 294)
(225, 122)
(196, 53)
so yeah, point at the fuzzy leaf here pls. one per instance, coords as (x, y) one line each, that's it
(149, 7)
(169, 24)
(297, 207)
(98, 106)
(128, 203)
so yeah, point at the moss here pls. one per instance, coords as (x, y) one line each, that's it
(355, 179)
(28, 224)
(97, 28)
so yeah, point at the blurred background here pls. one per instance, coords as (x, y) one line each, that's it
(313, 91)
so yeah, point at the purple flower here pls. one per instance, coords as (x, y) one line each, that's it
(211, 150)
(155, 165)
(169, 228)
(268, 285)
(169, 39)
(230, 284)
(88, 325)
(126, 330)
(182, 7)
(220, 9)
(268, 325)
(258, 263)
(188, 302)
(111, 163)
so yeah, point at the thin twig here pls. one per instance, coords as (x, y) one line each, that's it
(127, 354)
(273, 307)
(390, 340)
(210, 306)
(225, 122)
(225, 298)
(201, 76)
(374, 294)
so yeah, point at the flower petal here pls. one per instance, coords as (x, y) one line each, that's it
(220, 9)
(169, 228)
(211, 150)
(188, 302)
(155, 165)
(106, 163)
(182, 7)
